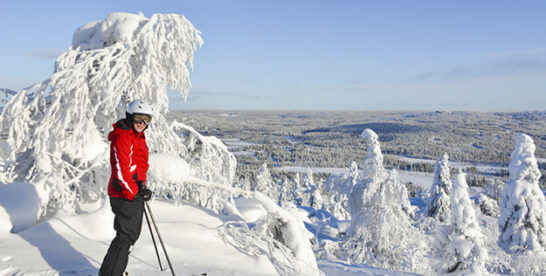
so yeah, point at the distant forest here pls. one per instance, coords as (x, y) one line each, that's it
(332, 138)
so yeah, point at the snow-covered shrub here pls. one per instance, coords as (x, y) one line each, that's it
(522, 223)
(338, 189)
(287, 239)
(493, 189)
(488, 206)
(529, 263)
(438, 205)
(465, 252)
(403, 195)
(56, 130)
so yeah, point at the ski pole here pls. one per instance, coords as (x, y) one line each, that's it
(159, 236)
(153, 239)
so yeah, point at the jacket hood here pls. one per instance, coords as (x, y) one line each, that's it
(122, 126)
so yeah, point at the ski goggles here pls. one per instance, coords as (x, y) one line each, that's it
(142, 118)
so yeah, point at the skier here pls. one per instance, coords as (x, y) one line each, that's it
(127, 186)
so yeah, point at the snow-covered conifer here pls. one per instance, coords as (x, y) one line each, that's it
(56, 130)
(316, 197)
(308, 181)
(493, 188)
(403, 196)
(438, 205)
(465, 251)
(307, 187)
(372, 164)
(488, 206)
(263, 183)
(296, 191)
(522, 223)
(339, 188)
(381, 232)
(284, 194)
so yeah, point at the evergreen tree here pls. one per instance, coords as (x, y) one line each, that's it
(439, 202)
(263, 183)
(522, 223)
(372, 164)
(339, 188)
(307, 187)
(316, 197)
(284, 195)
(465, 251)
(296, 191)
(381, 232)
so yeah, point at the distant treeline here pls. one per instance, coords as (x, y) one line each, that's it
(332, 139)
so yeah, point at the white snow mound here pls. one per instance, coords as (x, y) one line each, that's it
(21, 204)
(117, 27)
(168, 168)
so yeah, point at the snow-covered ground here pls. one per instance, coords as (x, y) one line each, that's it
(76, 244)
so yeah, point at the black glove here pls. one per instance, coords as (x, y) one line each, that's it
(145, 194)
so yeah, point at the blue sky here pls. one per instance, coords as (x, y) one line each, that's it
(364, 55)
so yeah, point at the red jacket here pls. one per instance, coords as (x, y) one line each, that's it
(128, 159)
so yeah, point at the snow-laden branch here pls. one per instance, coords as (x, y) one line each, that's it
(281, 227)
(56, 130)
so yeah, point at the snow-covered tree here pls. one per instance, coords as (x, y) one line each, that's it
(263, 183)
(465, 251)
(56, 130)
(493, 189)
(284, 192)
(438, 205)
(522, 223)
(339, 188)
(316, 197)
(280, 235)
(296, 191)
(381, 232)
(308, 181)
(243, 183)
(403, 195)
(343, 185)
(488, 206)
(372, 164)
(307, 186)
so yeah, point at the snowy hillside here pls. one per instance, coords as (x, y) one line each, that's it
(75, 244)
(359, 220)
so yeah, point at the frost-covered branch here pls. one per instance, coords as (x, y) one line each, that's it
(61, 124)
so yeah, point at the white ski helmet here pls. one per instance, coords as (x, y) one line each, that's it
(140, 107)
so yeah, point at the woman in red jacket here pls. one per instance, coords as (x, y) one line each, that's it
(127, 187)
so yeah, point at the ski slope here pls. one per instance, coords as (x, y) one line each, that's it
(76, 244)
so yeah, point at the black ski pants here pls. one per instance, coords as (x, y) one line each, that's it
(127, 223)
